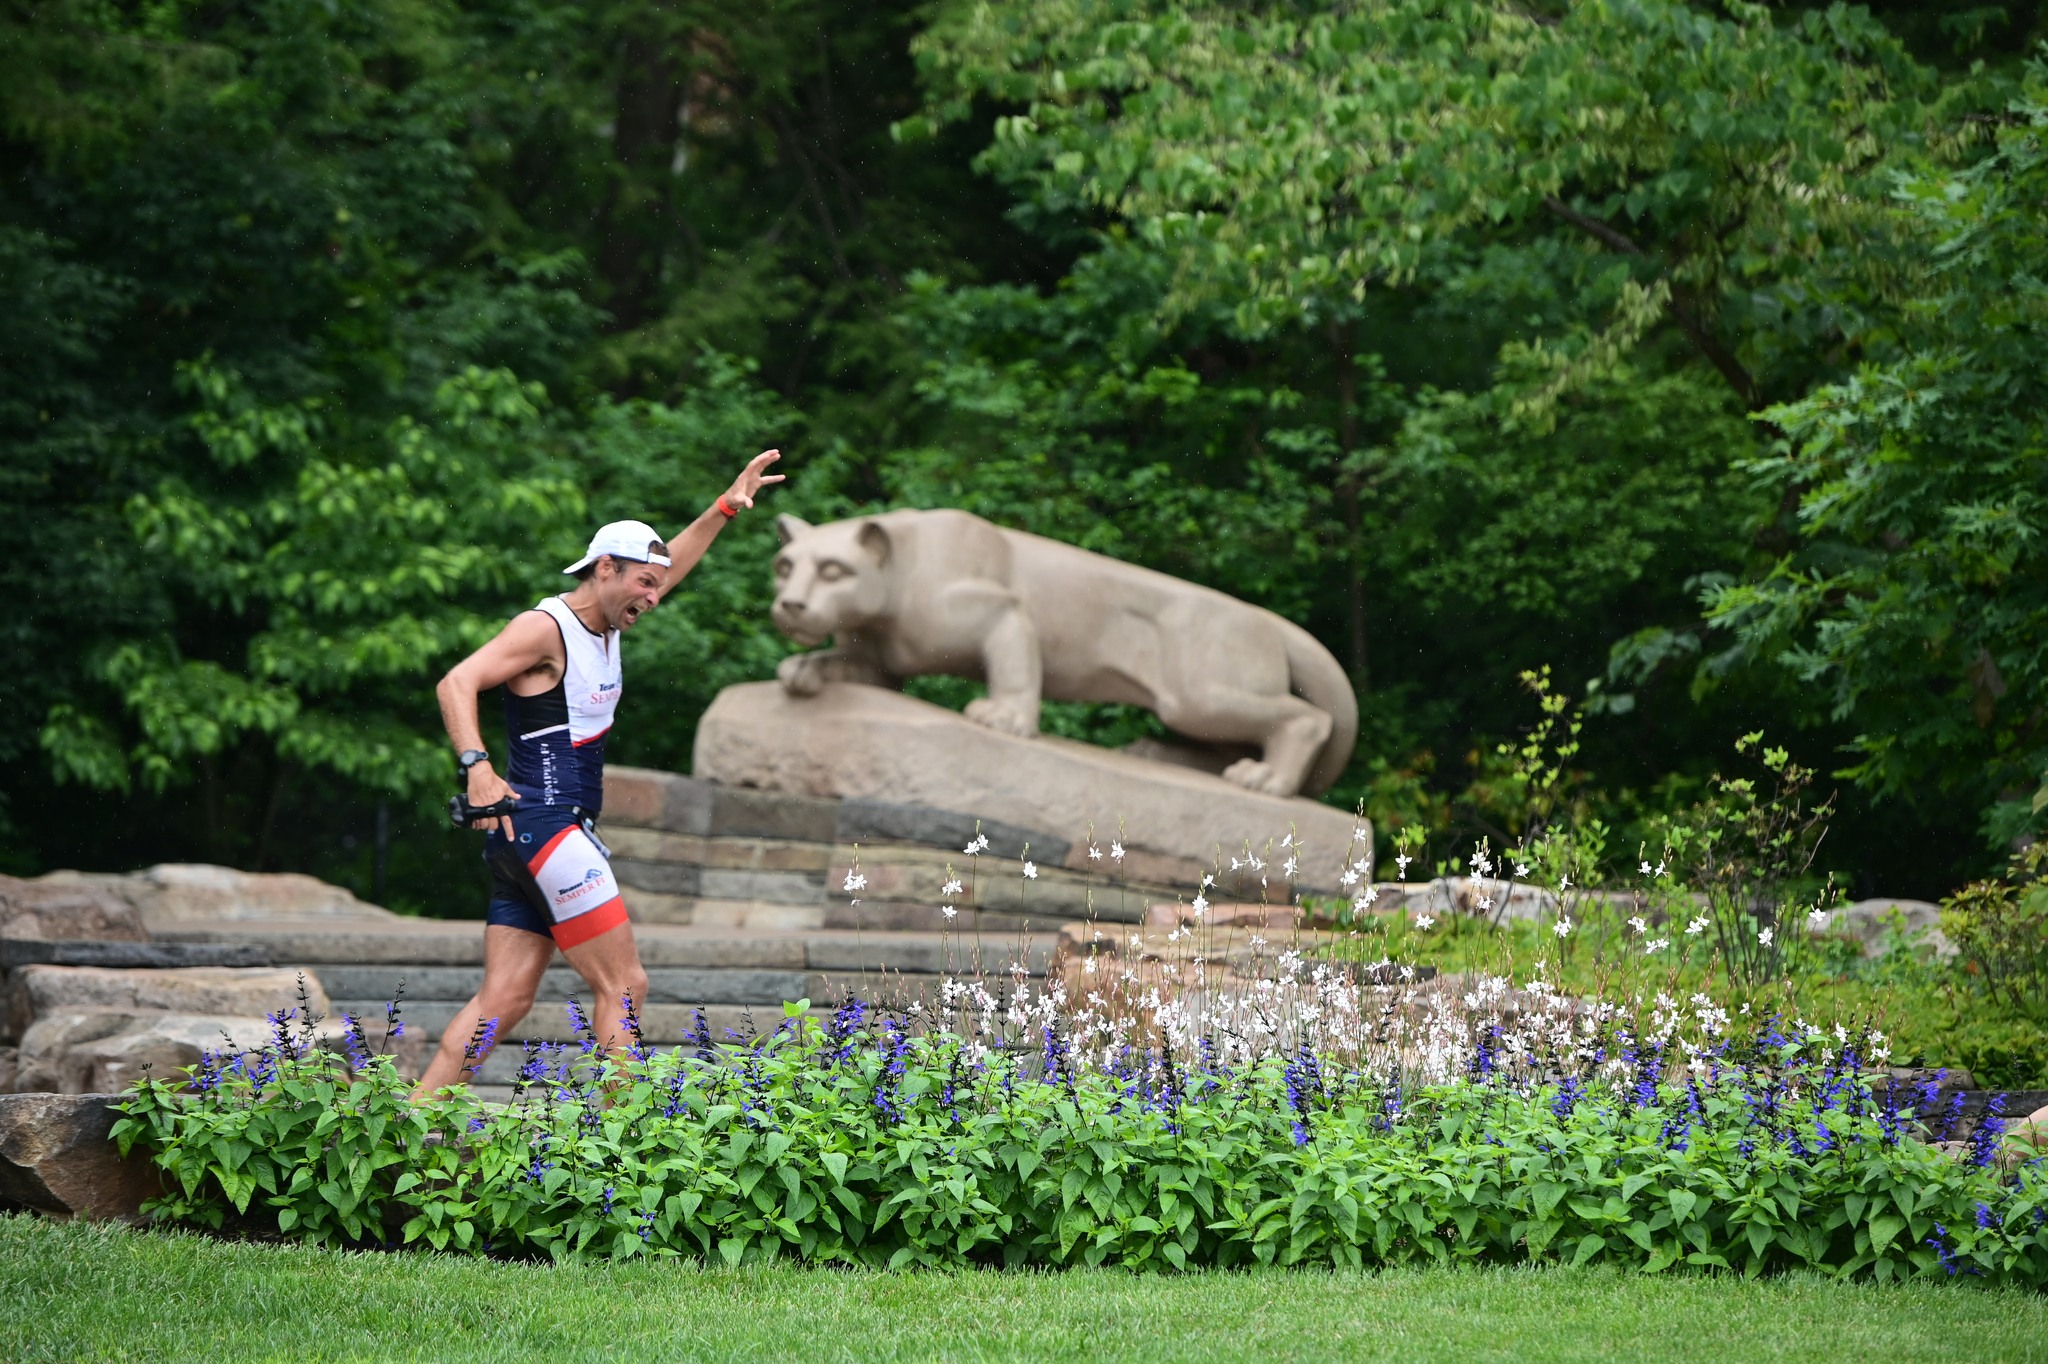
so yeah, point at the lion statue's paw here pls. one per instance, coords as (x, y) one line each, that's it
(1254, 775)
(801, 674)
(1005, 717)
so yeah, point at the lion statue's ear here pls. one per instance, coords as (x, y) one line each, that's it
(875, 541)
(789, 527)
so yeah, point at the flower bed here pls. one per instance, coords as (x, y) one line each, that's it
(862, 1141)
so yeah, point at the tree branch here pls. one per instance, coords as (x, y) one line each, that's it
(1683, 313)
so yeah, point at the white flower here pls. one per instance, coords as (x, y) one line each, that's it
(1646, 869)
(1425, 921)
(1660, 868)
(1401, 862)
(1638, 925)
(1361, 833)
(1094, 853)
(948, 911)
(1763, 936)
(1521, 871)
(1199, 904)
(1089, 966)
(1696, 927)
(1030, 871)
(1348, 878)
(1816, 919)
(1116, 851)
(1564, 883)
(1207, 881)
(1287, 842)
(1655, 945)
(1485, 902)
(855, 881)
(979, 845)
(1562, 927)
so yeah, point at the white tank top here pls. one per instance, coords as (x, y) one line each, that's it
(557, 736)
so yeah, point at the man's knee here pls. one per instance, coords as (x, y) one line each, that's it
(509, 1004)
(632, 984)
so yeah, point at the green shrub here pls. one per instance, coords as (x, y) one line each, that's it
(862, 1143)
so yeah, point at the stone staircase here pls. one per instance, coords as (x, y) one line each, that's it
(739, 906)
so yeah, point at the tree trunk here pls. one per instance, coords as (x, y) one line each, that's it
(647, 123)
(1348, 497)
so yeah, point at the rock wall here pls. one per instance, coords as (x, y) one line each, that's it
(90, 1000)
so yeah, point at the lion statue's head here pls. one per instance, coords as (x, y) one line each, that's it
(829, 578)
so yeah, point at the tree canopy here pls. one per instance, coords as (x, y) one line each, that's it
(1689, 348)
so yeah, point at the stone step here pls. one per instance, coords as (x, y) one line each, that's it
(663, 1024)
(129, 955)
(444, 942)
(667, 984)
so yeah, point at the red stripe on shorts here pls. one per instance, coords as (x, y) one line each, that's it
(533, 862)
(591, 923)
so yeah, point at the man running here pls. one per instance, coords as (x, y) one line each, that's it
(551, 880)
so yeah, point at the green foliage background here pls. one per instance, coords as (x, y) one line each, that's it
(1691, 348)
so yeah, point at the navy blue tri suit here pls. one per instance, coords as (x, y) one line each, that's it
(553, 876)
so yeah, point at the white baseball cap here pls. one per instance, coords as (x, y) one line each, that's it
(621, 540)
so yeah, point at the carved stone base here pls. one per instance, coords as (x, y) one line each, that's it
(868, 743)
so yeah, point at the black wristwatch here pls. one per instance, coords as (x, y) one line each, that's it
(470, 757)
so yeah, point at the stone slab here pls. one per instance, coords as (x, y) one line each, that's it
(242, 991)
(666, 984)
(877, 821)
(88, 1050)
(660, 878)
(754, 915)
(55, 1158)
(663, 800)
(773, 887)
(33, 952)
(762, 854)
(852, 742)
(60, 907)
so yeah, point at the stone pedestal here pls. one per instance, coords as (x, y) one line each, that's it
(854, 742)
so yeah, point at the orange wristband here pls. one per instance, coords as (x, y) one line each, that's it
(727, 512)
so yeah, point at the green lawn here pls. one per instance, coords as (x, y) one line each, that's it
(87, 1292)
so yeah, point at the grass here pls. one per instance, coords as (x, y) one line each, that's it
(74, 1291)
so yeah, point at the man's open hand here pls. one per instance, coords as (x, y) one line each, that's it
(752, 479)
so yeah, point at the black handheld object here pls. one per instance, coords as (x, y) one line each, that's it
(463, 815)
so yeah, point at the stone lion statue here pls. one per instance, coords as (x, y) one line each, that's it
(910, 593)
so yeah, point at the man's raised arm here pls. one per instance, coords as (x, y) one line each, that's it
(688, 547)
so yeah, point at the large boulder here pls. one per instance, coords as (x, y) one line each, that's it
(1869, 922)
(61, 909)
(97, 1028)
(177, 893)
(854, 742)
(81, 1051)
(55, 1158)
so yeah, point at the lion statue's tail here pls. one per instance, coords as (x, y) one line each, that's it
(1319, 679)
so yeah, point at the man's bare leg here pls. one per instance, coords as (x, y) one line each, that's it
(514, 961)
(610, 962)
